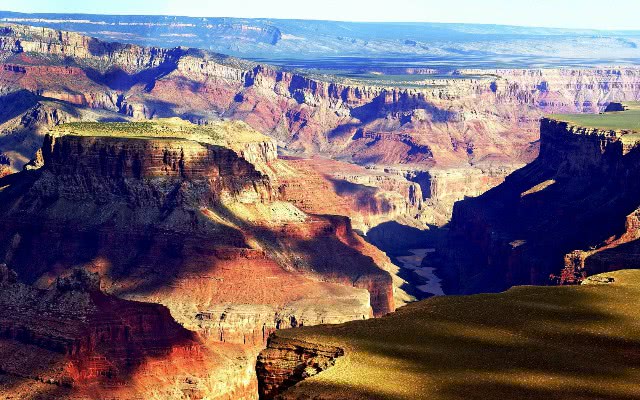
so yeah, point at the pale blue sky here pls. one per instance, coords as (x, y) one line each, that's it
(589, 14)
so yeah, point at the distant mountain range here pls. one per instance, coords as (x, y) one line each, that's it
(354, 47)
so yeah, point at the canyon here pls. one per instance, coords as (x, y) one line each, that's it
(191, 218)
(568, 218)
(172, 211)
(449, 133)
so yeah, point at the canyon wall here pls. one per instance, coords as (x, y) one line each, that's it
(216, 173)
(459, 122)
(193, 226)
(580, 193)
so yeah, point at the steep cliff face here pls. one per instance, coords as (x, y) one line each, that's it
(286, 362)
(393, 125)
(580, 193)
(28, 39)
(152, 171)
(459, 123)
(196, 226)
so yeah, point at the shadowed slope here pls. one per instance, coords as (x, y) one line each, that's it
(582, 192)
(527, 343)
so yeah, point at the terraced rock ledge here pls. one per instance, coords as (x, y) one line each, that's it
(192, 219)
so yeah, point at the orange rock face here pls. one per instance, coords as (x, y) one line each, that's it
(73, 339)
(198, 228)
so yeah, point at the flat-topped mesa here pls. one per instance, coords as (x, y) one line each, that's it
(619, 123)
(222, 161)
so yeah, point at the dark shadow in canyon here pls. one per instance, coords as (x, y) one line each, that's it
(520, 231)
(404, 103)
(16, 103)
(365, 196)
(323, 246)
(20, 139)
(623, 256)
(118, 79)
(396, 239)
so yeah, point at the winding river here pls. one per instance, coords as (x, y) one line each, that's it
(429, 281)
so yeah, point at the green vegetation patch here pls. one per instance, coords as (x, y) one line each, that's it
(218, 133)
(628, 120)
(571, 342)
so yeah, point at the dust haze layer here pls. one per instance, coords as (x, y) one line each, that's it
(356, 47)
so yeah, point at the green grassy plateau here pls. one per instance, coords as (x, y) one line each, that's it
(619, 120)
(571, 342)
(217, 133)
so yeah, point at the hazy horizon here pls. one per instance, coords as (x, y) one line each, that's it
(569, 14)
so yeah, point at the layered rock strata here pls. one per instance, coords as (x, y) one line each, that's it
(458, 122)
(192, 225)
(286, 362)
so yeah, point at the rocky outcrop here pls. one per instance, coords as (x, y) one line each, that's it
(24, 122)
(89, 335)
(459, 123)
(580, 193)
(192, 225)
(286, 362)
(74, 341)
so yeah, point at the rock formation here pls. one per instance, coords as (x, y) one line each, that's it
(193, 225)
(580, 193)
(461, 122)
(286, 362)
(190, 217)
